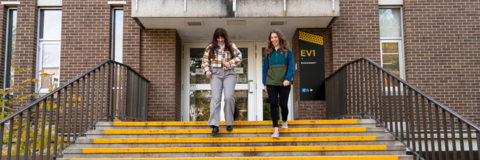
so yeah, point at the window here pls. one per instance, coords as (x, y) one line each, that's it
(10, 52)
(48, 56)
(117, 35)
(391, 42)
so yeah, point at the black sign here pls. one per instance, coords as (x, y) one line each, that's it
(312, 68)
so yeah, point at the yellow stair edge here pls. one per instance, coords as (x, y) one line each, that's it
(237, 130)
(236, 123)
(258, 158)
(235, 140)
(237, 149)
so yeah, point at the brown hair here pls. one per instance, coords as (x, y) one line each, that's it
(220, 32)
(282, 42)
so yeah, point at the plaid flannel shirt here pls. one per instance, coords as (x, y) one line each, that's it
(220, 57)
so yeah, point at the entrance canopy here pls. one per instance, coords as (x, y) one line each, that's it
(243, 19)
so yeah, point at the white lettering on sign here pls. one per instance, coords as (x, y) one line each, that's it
(239, 70)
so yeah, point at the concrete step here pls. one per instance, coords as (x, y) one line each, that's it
(231, 141)
(236, 124)
(255, 132)
(366, 157)
(235, 151)
(235, 131)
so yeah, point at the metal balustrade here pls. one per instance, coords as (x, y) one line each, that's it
(425, 126)
(50, 124)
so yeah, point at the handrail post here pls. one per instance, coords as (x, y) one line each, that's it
(110, 87)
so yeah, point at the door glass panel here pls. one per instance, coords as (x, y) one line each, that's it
(196, 72)
(241, 105)
(200, 105)
(390, 58)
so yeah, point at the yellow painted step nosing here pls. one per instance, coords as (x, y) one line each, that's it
(389, 157)
(235, 140)
(236, 123)
(237, 149)
(252, 130)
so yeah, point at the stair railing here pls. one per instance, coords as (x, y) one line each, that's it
(429, 129)
(50, 124)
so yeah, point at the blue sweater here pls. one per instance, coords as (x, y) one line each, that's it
(276, 58)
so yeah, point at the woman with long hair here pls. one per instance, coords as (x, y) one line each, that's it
(219, 60)
(278, 69)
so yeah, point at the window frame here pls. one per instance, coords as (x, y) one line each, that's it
(40, 42)
(113, 44)
(401, 49)
(8, 48)
(8, 51)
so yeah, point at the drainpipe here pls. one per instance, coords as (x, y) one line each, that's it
(185, 5)
(136, 5)
(333, 6)
(234, 7)
(284, 8)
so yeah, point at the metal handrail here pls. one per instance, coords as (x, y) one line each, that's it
(409, 85)
(360, 87)
(121, 92)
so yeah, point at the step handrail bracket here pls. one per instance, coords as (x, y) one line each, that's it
(362, 87)
(109, 91)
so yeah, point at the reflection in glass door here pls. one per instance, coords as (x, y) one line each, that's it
(196, 90)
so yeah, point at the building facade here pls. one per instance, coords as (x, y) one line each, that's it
(434, 45)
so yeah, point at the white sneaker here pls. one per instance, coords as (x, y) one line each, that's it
(275, 134)
(284, 125)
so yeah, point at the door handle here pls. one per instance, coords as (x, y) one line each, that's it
(249, 91)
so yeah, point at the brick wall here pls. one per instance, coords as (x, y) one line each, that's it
(312, 109)
(85, 36)
(442, 52)
(355, 33)
(158, 64)
(26, 44)
(178, 78)
(131, 38)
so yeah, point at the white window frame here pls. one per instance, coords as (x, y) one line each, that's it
(40, 42)
(112, 19)
(401, 47)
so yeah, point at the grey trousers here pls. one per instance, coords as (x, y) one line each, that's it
(226, 80)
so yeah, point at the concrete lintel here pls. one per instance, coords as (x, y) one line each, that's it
(52, 3)
(117, 3)
(10, 4)
(390, 2)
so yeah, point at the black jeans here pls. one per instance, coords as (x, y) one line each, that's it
(273, 92)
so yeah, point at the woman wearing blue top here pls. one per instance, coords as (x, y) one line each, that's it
(278, 69)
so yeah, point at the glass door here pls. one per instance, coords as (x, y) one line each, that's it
(262, 103)
(196, 90)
